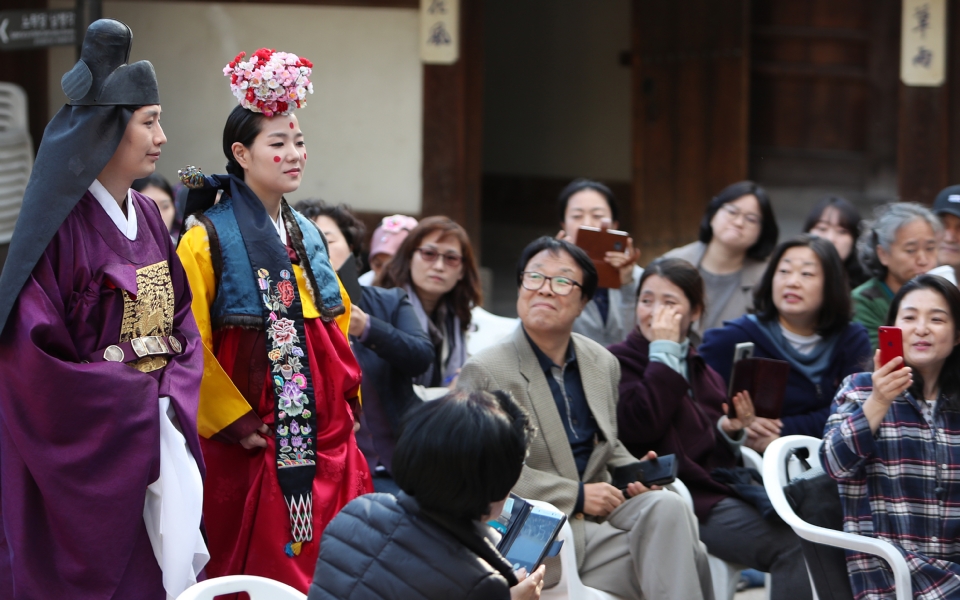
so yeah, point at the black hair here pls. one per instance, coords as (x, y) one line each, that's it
(578, 185)
(769, 232)
(680, 273)
(352, 228)
(463, 452)
(852, 222)
(588, 286)
(950, 373)
(156, 180)
(242, 126)
(835, 309)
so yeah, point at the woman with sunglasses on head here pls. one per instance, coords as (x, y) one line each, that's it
(280, 384)
(893, 445)
(435, 265)
(737, 233)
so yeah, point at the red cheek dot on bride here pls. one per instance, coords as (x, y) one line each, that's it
(276, 159)
(304, 157)
(291, 125)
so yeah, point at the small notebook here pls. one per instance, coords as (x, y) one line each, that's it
(596, 243)
(766, 381)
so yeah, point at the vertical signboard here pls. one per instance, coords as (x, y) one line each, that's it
(439, 31)
(923, 42)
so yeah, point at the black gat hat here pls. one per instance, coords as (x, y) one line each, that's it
(103, 92)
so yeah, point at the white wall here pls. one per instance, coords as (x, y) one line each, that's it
(363, 124)
(556, 100)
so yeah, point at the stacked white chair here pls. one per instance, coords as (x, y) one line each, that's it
(16, 156)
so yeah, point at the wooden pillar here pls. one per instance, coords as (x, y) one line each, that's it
(923, 132)
(923, 148)
(453, 129)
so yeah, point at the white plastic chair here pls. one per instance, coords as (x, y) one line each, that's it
(258, 588)
(570, 586)
(724, 575)
(775, 471)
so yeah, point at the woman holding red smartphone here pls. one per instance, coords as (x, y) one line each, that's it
(893, 445)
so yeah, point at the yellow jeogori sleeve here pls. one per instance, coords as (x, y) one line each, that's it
(221, 403)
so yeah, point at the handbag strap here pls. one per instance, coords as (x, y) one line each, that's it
(802, 455)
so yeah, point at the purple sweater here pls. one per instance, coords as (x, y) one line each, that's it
(657, 412)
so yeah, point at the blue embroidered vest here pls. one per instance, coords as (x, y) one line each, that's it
(238, 301)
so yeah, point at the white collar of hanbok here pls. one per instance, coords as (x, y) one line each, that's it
(127, 224)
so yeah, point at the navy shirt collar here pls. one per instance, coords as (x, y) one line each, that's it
(545, 361)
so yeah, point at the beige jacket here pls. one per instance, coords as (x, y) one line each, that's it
(550, 472)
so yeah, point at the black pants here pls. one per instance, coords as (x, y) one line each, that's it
(735, 532)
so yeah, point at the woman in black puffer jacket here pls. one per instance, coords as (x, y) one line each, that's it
(455, 461)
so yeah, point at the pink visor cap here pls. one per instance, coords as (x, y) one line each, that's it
(390, 234)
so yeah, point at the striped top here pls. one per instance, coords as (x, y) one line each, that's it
(901, 485)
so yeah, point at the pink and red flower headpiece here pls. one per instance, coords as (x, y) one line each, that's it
(271, 82)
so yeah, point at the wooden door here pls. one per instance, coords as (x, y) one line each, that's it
(824, 93)
(690, 102)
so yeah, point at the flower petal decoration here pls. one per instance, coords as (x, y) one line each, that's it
(270, 82)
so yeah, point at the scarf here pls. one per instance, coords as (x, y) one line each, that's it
(810, 365)
(282, 312)
(447, 337)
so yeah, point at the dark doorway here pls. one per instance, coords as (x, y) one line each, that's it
(557, 105)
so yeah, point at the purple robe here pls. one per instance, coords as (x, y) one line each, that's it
(80, 442)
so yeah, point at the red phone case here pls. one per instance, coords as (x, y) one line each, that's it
(891, 343)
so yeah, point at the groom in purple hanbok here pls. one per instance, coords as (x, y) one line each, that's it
(100, 360)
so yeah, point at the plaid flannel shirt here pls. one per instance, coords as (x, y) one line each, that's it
(901, 485)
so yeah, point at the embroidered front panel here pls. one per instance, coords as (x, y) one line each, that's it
(291, 387)
(150, 313)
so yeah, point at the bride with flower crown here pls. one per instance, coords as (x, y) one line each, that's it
(280, 384)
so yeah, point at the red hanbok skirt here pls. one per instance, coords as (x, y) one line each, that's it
(246, 517)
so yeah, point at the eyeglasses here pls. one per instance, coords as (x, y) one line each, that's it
(430, 255)
(561, 286)
(733, 212)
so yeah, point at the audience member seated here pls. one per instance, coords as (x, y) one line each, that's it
(456, 461)
(737, 233)
(803, 317)
(384, 242)
(387, 339)
(900, 244)
(893, 446)
(947, 209)
(837, 220)
(609, 316)
(436, 267)
(672, 402)
(156, 187)
(642, 544)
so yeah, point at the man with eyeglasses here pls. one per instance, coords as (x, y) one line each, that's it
(637, 544)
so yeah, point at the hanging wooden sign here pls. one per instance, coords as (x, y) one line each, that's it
(439, 31)
(923, 42)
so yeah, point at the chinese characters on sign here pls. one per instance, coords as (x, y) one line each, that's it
(25, 29)
(923, 42)
(439, 31)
